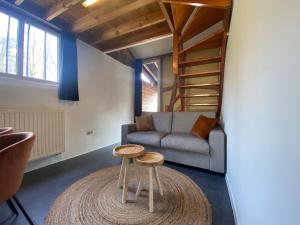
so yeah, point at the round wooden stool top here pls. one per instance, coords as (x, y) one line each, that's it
(150, 159)
(128, 151)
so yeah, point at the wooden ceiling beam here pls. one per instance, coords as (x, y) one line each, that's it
(146, 35)
(59, 8)
(95, 18)
(168, 15)
(138, 42)
(222, 4)
(127, 27)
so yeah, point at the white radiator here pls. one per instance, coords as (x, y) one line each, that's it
(47, 124)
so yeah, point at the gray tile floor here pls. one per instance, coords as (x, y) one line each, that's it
(41, 187)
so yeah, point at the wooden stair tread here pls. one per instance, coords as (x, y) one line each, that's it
(202, 74)
(206, 110)
(200, 96)
(202, 61)
(201, 104)
(209, 85)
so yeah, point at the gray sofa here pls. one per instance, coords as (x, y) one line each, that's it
(173, 139)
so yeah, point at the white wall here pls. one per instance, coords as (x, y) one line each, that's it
(261, 111)
(106, 92)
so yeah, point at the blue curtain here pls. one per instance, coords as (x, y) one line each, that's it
(138, 64)
(68, 85)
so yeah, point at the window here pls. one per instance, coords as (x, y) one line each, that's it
(40, 54)
(8, 44)
(150, 75)
(28, 51)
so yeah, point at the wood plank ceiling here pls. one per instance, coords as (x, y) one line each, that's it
(115, 25)
(108, 25)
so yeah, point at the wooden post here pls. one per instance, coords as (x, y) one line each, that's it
(175, 70)
(182, 81)
(175, 54)
(173, 95)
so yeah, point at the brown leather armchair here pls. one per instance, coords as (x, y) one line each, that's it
(14, 153)
(6, 130)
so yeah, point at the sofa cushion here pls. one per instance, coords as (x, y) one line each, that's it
(162, 121)
(150, 138)
(184, 121)
(185, 142)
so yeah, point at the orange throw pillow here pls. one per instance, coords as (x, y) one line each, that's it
(144, 123)
(203, 126)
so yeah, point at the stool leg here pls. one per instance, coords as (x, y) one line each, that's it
(121, 176)
(139, 171)
(125, 181)
(12, 207)
(134, 161)
(141, 180)
(151, 204)
(29, 220)
(158, 181)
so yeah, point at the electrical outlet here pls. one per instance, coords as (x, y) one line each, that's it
(89, 132)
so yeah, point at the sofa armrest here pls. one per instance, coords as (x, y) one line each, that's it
(127, 129)
(217, 143)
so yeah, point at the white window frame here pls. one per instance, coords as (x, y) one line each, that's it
(20, 51)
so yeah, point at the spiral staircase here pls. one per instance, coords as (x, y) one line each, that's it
(200, 32)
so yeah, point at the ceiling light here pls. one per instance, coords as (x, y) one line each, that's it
(198, 4)
(87, 3)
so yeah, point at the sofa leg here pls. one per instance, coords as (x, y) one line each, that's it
(12, 207)
(23, 210)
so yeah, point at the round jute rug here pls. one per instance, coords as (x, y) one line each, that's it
(96, 200)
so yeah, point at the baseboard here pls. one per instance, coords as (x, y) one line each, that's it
(47, 161)
(233, 202)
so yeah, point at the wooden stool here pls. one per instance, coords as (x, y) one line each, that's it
(126, 152)
(150, 160)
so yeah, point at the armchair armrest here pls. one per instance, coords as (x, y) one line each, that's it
(217, 143)
(127, 129)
